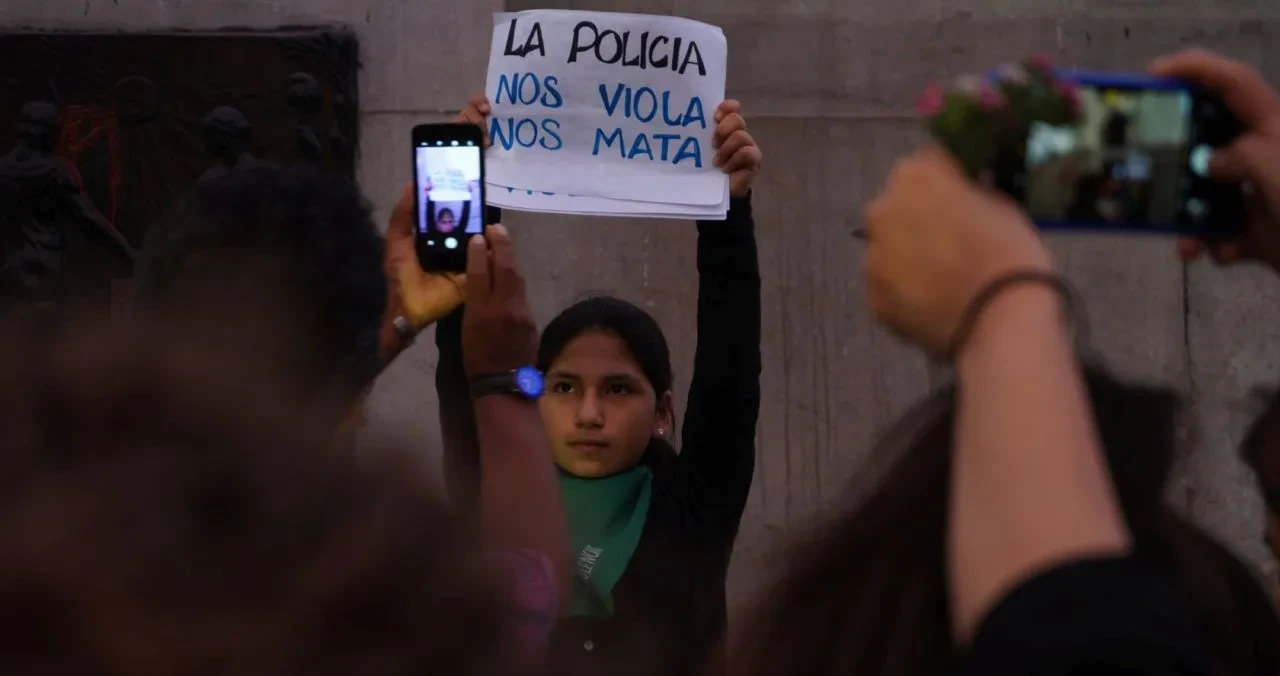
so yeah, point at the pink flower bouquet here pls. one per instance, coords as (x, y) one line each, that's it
(985, 123)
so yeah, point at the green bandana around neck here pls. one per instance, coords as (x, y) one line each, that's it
(606, 519)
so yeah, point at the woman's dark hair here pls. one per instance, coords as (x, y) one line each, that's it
(446, 210)
(1261, 451)
(164, 514)
(867, 592)
(632, 325)
(296, 239)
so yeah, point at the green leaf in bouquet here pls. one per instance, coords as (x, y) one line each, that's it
(976, 151)
(967, 132)
(957, 114)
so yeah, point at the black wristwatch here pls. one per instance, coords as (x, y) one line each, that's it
(525, 381)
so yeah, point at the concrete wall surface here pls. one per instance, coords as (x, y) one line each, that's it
(828, 87)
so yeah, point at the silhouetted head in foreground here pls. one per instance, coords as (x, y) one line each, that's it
(867, 593)
(161, 516)
(294, 245)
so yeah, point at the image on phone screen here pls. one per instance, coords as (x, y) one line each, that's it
(1136, 160)
(450, 202)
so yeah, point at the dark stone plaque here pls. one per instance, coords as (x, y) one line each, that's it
(100, 134)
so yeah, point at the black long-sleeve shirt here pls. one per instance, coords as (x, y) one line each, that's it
(670, 608)
(1095, 616)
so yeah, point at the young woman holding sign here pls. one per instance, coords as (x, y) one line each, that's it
(652, 530)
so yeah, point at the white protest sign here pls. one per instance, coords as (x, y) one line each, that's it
(579, 205)
(448, 186)
(451, 171)
(599, 104)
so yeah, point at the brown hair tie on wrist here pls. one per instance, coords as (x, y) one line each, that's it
(999, 285)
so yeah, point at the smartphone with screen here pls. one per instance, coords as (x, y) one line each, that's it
(1137, 161)
(449, 199)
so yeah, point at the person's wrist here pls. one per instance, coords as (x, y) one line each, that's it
(427, 309)
(1019, 313)
(498, 367)
(391, 343)
(495, 410)
(417, 322)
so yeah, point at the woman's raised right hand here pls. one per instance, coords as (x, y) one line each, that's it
(498, 332)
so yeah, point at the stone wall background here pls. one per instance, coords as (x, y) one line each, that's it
(828, 87)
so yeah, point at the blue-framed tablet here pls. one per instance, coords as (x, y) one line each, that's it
(1137, 161)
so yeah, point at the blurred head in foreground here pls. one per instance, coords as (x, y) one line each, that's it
(163, 512)
(866, 593)
(293, 247)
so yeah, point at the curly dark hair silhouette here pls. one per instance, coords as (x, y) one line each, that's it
(165, 513)
(294, 241)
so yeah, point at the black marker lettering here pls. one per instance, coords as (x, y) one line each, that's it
(694, 56)
(532, 41)
(638, 59)
(578, 46)
(617, 47)
(658, 61)
(636, 51)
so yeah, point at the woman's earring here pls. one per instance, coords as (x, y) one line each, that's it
(661, 431)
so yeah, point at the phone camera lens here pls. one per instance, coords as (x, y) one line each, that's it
(1196, 209)
(1200, 157)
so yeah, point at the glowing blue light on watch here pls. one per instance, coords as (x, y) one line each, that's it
(529, 380)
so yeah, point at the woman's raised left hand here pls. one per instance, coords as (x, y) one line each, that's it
(736, 151)
(420, 296)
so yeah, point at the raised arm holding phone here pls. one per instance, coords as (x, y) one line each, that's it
(1034, 524)
(520, 509)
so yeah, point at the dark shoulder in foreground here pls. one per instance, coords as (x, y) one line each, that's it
(1098, 616)
(223, 522)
